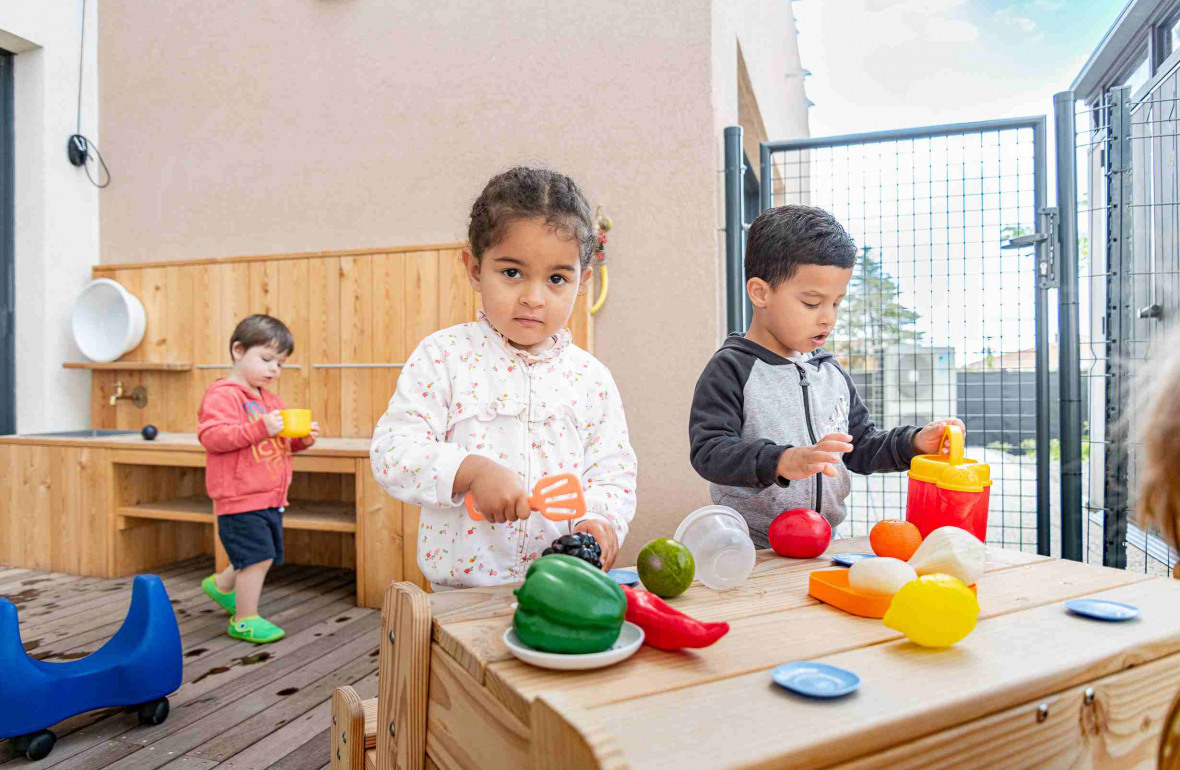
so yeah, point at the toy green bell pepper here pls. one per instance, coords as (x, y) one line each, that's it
(567, 606)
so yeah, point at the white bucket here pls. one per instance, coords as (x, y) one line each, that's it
(107, 321)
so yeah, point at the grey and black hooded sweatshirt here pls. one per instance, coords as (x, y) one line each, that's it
(751, 404)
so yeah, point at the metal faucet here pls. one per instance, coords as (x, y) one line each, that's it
(138, 395)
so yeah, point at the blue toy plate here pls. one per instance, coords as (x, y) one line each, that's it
(624, 577)
(1101, 609)
(848, 559)
(815, 680)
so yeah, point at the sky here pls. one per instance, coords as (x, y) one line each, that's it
(883, 64)
(880, 64)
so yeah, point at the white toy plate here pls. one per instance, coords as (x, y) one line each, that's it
(630, 639)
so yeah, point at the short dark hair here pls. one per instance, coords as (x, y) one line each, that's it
(527, 193)
(258, 329)
(781, 239)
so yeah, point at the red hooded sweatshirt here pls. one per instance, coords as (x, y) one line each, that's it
(246, 469)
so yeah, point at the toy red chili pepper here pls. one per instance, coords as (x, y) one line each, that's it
(666, 628)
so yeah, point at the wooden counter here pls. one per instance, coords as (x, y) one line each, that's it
(1031, 686)
(182, 442)
(116, 505)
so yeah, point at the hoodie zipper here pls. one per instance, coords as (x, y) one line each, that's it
(819, 477)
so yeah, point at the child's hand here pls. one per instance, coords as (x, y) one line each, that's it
(273, 422)
(606, 537)
(799, 462)
(498, 493)
(310, 438)
(928, 440)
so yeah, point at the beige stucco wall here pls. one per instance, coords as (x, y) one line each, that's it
(56, 238)
(242, 128)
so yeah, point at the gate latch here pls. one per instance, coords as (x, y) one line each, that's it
(1047, 267)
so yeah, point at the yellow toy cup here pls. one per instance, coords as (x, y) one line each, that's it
(296, 423)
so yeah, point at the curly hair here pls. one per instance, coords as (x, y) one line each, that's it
(1159, 433)
(528, 193)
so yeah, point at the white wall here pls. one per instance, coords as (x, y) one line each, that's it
(769, 42)
(766, 31)
(56, 206)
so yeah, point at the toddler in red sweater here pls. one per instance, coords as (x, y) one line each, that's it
(248, 471)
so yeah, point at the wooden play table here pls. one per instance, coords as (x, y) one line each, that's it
(1032, 686)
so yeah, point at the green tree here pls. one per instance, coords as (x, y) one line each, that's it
(871, 318)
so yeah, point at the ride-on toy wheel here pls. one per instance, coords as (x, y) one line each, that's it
(153, 712)
(35, 745)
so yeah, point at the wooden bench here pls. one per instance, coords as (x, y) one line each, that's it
(1032, 685)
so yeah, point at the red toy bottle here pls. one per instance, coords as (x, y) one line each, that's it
(949, 490)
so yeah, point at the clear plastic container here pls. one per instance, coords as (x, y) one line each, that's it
(720, 543)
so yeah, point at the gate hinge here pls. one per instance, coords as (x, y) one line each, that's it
(1047, 266)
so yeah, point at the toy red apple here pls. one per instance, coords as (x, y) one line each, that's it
(800, 534)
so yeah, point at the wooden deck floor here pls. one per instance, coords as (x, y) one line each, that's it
(241, 706)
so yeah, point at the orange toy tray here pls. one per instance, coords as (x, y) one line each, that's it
(830, 586)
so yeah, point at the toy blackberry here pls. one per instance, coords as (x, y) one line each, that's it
(581, 545)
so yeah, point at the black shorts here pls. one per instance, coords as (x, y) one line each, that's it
(252, 536)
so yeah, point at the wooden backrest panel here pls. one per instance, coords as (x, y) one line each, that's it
(355, 307)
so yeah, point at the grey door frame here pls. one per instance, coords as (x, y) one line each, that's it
(7, 249)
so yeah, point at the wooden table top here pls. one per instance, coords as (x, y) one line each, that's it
(717, 707)
(184, 442)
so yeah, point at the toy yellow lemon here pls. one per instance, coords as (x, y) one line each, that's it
(933, 611)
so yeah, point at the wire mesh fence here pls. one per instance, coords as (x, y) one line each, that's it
(939, 320)
(1129, 258)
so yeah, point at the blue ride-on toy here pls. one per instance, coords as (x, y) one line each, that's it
(137, 668)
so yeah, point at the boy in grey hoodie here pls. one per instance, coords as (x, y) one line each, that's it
(773, 413)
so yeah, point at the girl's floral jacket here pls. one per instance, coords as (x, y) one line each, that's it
(466, 391)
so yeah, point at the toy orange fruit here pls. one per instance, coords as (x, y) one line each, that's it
(896, 538)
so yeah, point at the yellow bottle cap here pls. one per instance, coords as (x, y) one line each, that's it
(951, 471)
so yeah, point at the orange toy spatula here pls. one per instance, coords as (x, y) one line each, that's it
(557, 498)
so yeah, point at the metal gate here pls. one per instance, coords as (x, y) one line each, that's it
(948, 309)
(1129, 238)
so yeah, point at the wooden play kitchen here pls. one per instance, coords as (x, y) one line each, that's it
(119, 505)
(1033, 685)
(113, 505)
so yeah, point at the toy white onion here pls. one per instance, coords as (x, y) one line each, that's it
(882, 576)
(952, 551)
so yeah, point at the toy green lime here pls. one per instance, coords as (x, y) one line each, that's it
(666, 567)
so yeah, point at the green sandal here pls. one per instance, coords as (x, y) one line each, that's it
(228, 601)
(255, 629)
